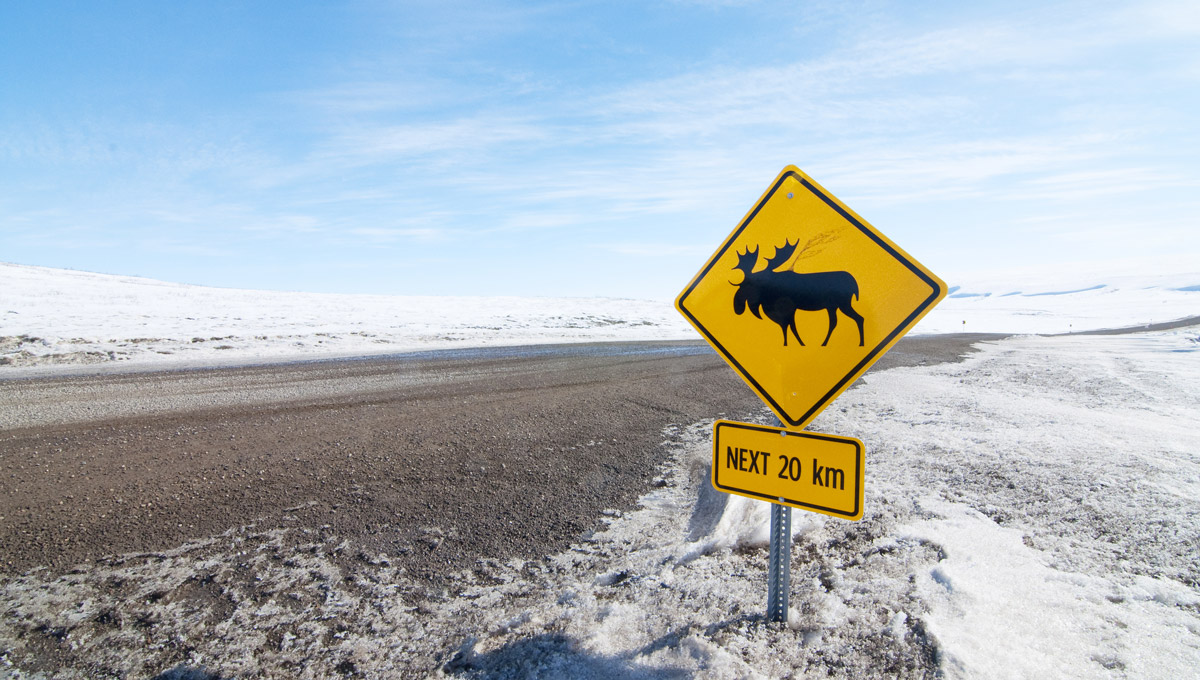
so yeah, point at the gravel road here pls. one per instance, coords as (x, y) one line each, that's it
(437, 459)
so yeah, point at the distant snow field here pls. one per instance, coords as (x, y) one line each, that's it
(54, 317)
(59, 317)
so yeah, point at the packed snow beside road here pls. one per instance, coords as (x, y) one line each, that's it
(55, 317)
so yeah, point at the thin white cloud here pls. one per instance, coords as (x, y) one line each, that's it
(656, 250)
(392, 235)
(283, 224)
(479, 136)
(1082, 185)
(358, 98)
(1158, 19)
(715, 3)
(176, 246)
(927, 168)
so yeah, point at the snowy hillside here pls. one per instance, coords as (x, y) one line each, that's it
(61, 317)
(1064, 304)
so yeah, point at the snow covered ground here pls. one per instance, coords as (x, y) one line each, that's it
(63, 318)
(54, 317)
(1033, 511)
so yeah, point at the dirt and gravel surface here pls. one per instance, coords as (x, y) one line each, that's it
(489, 453)
(429, 463)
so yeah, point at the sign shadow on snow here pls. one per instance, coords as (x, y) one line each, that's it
(186, 672)
(551, 655)
(710, 506)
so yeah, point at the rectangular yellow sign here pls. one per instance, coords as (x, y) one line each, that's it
(806, 470)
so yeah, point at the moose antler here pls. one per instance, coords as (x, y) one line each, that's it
(787, 251)
(782, 254)
(747, 260)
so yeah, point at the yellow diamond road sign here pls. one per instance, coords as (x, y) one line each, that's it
(804, 296)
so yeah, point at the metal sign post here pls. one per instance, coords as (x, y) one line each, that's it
(779, 563)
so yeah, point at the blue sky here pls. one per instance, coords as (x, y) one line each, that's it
(587, 148)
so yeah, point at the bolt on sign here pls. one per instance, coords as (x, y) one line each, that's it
(804, 296)
(806, 470)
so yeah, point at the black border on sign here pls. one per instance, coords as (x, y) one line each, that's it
(858, 464)
(871, 356)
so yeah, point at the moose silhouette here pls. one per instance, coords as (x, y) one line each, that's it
(781, 294)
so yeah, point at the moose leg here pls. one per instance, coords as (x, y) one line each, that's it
(832, 324)
(794, 332)
(849, 311)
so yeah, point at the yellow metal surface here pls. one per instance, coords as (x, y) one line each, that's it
(806, 470)
(837, 263)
